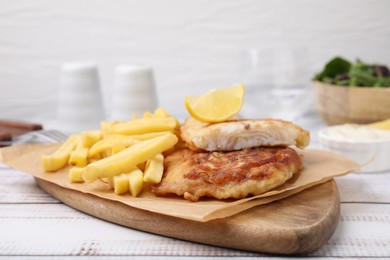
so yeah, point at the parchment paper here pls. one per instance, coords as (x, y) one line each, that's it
(319, 167)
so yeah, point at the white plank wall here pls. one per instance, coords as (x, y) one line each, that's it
(192, 45)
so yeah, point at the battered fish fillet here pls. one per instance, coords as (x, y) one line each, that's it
(239, 134)
(222, 175)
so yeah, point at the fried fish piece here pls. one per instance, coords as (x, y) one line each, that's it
(239, 134)
(222, 175)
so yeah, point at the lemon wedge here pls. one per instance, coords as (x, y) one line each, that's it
(385, 124)
(216, 105)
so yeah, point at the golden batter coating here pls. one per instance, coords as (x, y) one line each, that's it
(240, 134)
(222, 175)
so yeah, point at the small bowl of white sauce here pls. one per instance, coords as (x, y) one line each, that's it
(367, 146)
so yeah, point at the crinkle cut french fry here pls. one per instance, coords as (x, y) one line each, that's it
(154, 169)
(136, 183)
(89, 138)
(127, 159)
(121, 184)
(75, 174)
(60, 158)
(144, 125)
(79, 156)
(110, 142)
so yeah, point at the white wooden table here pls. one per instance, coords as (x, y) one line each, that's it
(33, 224)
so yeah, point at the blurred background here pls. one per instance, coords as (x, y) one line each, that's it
(191, 45)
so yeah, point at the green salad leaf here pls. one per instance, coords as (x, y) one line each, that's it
(339, 71)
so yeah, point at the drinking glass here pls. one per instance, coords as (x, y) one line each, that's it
(276, 83)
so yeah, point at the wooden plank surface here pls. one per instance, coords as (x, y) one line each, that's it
(47, 227)
(298, 224)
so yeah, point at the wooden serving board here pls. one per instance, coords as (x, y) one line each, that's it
(298, 224)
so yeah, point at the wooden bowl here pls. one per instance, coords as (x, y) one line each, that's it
(360, 105)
